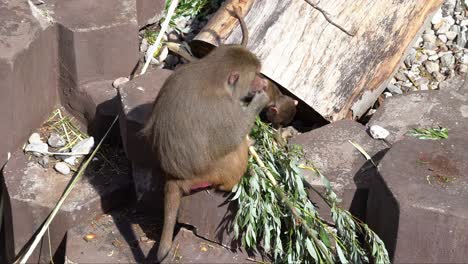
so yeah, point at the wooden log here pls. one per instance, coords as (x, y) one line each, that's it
(219, 27)
(339, 76)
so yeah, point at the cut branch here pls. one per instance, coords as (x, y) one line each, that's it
(281, 194)
(182, 52)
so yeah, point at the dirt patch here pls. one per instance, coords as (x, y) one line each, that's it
(441, 170)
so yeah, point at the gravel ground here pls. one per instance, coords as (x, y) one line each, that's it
(439, 54)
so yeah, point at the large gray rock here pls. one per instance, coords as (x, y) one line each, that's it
(135, 104)
(188, 248)
(28, 73)
(33, 192)
(98, 40)
(96, 104)
(149, 11)
(447, 108)
(329, 150)
(418, 202)
(211, 214)
(149, 188)
(119, 237)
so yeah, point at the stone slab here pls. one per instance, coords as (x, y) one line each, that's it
(135, 104)
(418, 202)
(188, 248)
(96, 105)
(211, 214)
(329, 150)
(447, 108)
(149, 189)
(149, 11)
(101, 43)
(120, 237)
(34, 191)
(28, 70)
(136, 99)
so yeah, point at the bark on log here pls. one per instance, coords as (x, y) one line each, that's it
(337, 75)
(219, 27)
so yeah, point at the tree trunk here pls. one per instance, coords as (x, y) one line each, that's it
(338, 75)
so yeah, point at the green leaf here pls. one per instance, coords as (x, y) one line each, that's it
(238, 193)
(341, 254)
(300, 187)
(311, 249)
(247, 236)
(324, 237)
(326, 182)
(429, 133)
(234, 189)
(267, 238)
(266, 216)
(236, 230)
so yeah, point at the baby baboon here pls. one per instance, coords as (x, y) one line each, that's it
(281, 109)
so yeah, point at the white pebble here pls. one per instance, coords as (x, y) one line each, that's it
(437, 18)
(119, 81)
(430, 52)
(449, 20)
(422, 58)
(444, 28)
(62, 167)
(34, 138)
(431, 66)
(387, 94)
(394, 89)
(163, 55)
(451, 35)
(463, 68)
(443, 38)
(378, 132)
(84, 146)
(37, 149)
(448, 60)
(144, 45)
(464, 59)
(412, 75)
(438, 76)
(424, 87)
(371, 112)
(70, 160)
(431, 38)
(56, 141)
(418, 42)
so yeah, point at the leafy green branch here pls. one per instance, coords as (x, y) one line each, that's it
(278, 215)
(429, 133)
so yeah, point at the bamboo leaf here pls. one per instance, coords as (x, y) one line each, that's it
(277, 210)
(324, 237)
(238, 193)
(341, 254)
(363, 152)
(311, 249)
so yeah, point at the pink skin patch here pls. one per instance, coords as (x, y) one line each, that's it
(199, 186)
